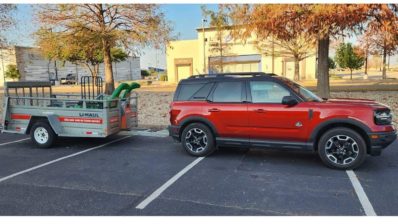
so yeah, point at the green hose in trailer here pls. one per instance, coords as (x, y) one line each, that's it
(132, 86)
(119, 89)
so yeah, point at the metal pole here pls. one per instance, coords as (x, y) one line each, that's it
(204, 45)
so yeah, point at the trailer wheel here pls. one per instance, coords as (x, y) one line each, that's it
(42, 134)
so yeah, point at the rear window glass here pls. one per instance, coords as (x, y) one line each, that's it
(228, 92)
(194, 91)
(186, 91)
(202, 93)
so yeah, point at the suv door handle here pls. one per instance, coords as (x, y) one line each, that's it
(214, 110)
(260, 110)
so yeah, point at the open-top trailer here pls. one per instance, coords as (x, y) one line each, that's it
(32, 108)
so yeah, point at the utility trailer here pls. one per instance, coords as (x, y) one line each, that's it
(32, 108)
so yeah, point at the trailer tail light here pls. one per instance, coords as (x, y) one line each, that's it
(91, 133)
(18, 128)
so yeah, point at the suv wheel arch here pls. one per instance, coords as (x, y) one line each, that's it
(357, 126)
(197, 119)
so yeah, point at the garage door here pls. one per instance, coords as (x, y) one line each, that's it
(242, 67)
(238, 63)
(183, 71)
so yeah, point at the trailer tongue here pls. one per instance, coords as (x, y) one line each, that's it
(32, 108)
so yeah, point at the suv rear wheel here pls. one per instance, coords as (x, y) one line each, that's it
(197, 140)
(342, 148)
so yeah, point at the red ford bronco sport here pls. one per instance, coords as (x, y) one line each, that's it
(268, 111)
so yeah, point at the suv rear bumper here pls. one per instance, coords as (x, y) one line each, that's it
(174, 132)
(380, 141)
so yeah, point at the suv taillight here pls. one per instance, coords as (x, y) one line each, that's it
(383, 117)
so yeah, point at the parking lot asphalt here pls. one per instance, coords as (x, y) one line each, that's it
(113, 179)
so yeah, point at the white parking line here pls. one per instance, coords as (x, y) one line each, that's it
(20, 140)
(367, 206)
(166, 185)
(59, 159)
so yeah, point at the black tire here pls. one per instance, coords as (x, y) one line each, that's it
(48, 135)
(198, 146)
(339, 143)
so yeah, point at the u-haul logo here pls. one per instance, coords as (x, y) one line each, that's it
(91, 115)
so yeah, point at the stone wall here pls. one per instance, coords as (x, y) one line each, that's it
(33, 66)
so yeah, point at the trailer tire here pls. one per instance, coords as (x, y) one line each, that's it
(42, 134)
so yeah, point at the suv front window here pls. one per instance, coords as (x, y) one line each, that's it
(267, 92)
(306, 94)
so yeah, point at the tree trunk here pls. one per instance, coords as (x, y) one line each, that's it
(384, 73)
(56, 69)
(106, 50)
(323, 88)
(366, 63)
(296, 69)
(351, 73)
(221, 59)
(96, 70)
(273, 55)
(92, 72)
(109, 82)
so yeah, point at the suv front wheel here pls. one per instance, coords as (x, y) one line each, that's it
(342, 148)
(197, 140)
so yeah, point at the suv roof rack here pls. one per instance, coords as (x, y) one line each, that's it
(232, 74)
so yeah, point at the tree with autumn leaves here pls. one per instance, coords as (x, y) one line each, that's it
(220, 21)
(277, 36)
(381, 36)
(6, 19)
(114, 25)
(82, 49)
(319, 21)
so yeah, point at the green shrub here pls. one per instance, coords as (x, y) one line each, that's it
(144, 73)
(12, 72)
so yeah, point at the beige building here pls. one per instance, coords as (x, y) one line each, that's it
(33, 66)
(190, 57)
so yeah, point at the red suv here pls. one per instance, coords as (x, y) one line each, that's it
(268, 111)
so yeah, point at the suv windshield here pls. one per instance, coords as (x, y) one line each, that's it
(306, 94)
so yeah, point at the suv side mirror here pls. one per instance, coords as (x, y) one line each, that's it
(289, 101)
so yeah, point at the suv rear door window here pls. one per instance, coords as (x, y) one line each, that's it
(228, 92)
(267, 92)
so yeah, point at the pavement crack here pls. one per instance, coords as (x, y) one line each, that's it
(76, 189)
(229, 206)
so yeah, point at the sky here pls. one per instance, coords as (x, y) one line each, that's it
(184, 18)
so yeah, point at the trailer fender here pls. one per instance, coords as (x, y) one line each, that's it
(54, 123)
